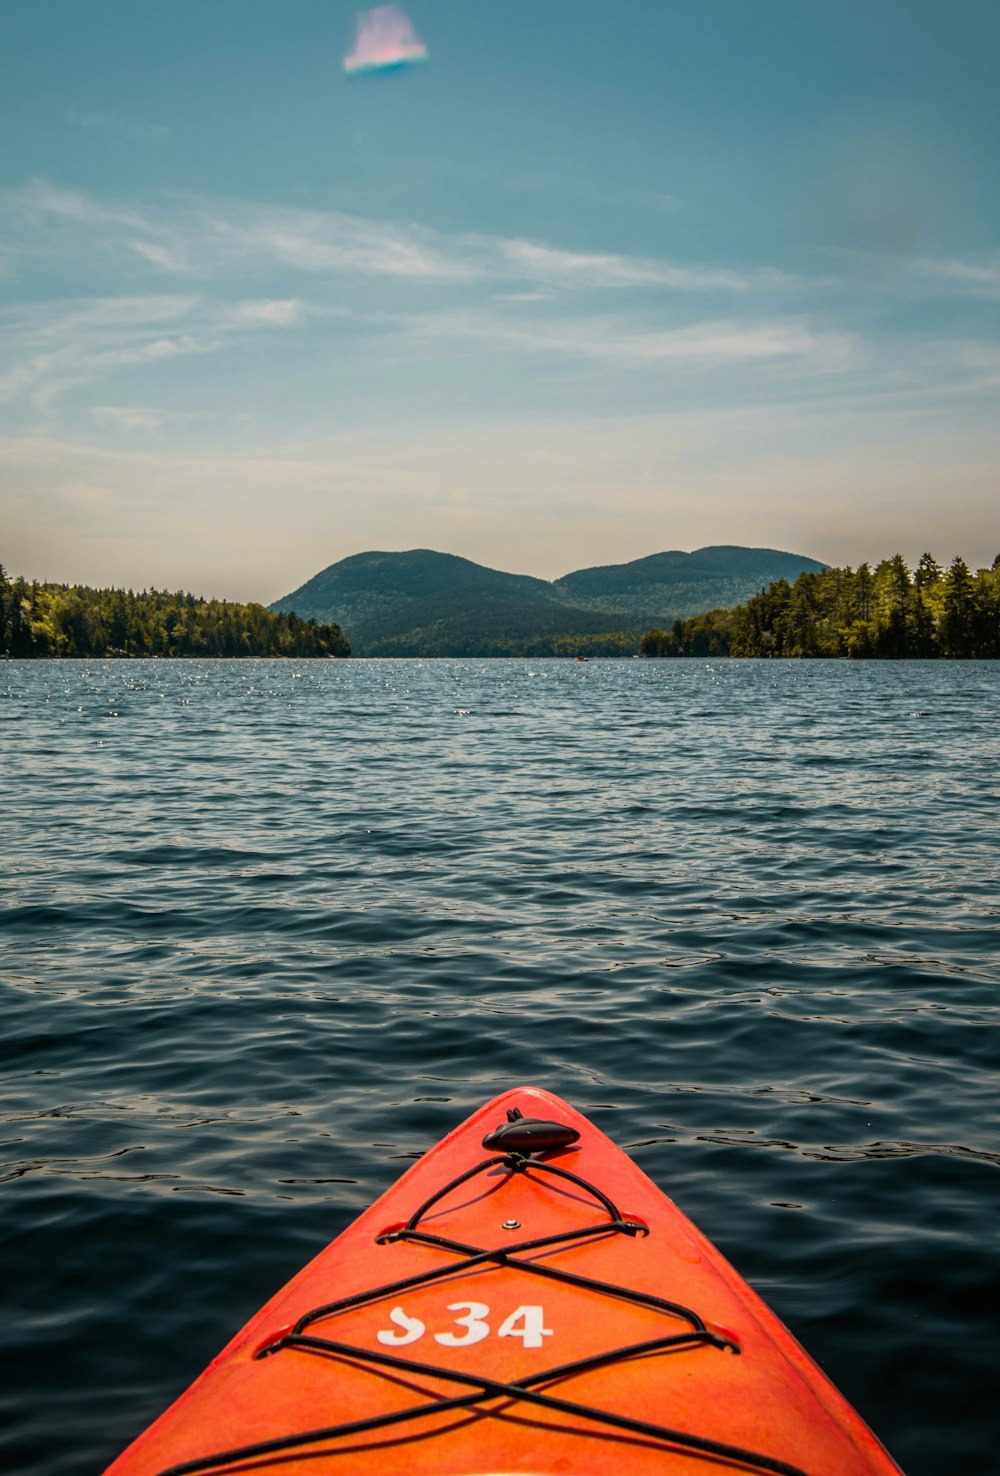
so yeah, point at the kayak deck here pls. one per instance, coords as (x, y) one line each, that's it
(514, 1313)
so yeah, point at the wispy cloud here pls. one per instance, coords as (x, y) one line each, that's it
(49, 348)
(596, 269)
(278, 320)
(127, 417)
(66, 318)
(979, 278)
(919, 277)
(632, 343)
(274, 312)
(207, 237)
(200, 236)
(158, 255)
(47, 377)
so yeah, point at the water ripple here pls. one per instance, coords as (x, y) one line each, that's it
(270, 928)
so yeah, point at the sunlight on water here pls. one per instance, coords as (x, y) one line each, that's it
(271, 928)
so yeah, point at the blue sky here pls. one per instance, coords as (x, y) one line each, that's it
(591, 281)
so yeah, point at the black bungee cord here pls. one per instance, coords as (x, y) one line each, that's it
(519, 1134)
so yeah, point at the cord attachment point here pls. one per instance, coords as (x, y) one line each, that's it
(634, 1224)
(274, 1342)
(524, 1135)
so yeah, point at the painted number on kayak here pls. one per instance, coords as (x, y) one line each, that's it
(526, 1323)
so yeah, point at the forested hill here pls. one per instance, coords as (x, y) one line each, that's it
(889, 611)
(685, 583)
(74, 620)
(425, 603)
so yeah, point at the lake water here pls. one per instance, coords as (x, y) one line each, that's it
(269, 929)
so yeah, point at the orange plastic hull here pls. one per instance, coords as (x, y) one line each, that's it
(501, 1323)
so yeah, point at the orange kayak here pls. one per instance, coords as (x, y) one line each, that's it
(522, 1300)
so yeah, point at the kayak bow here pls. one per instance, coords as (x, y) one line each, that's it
(542, 1308)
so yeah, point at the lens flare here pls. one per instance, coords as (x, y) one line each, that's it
(386, 39)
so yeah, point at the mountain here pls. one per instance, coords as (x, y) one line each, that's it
(369, 586)
(423, 603)
(667, 585)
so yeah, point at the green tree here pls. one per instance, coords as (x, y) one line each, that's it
(894, 607)
(63, 620)
(958, 612)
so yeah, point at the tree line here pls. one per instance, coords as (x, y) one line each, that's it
(888, 612)
(38, 620)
